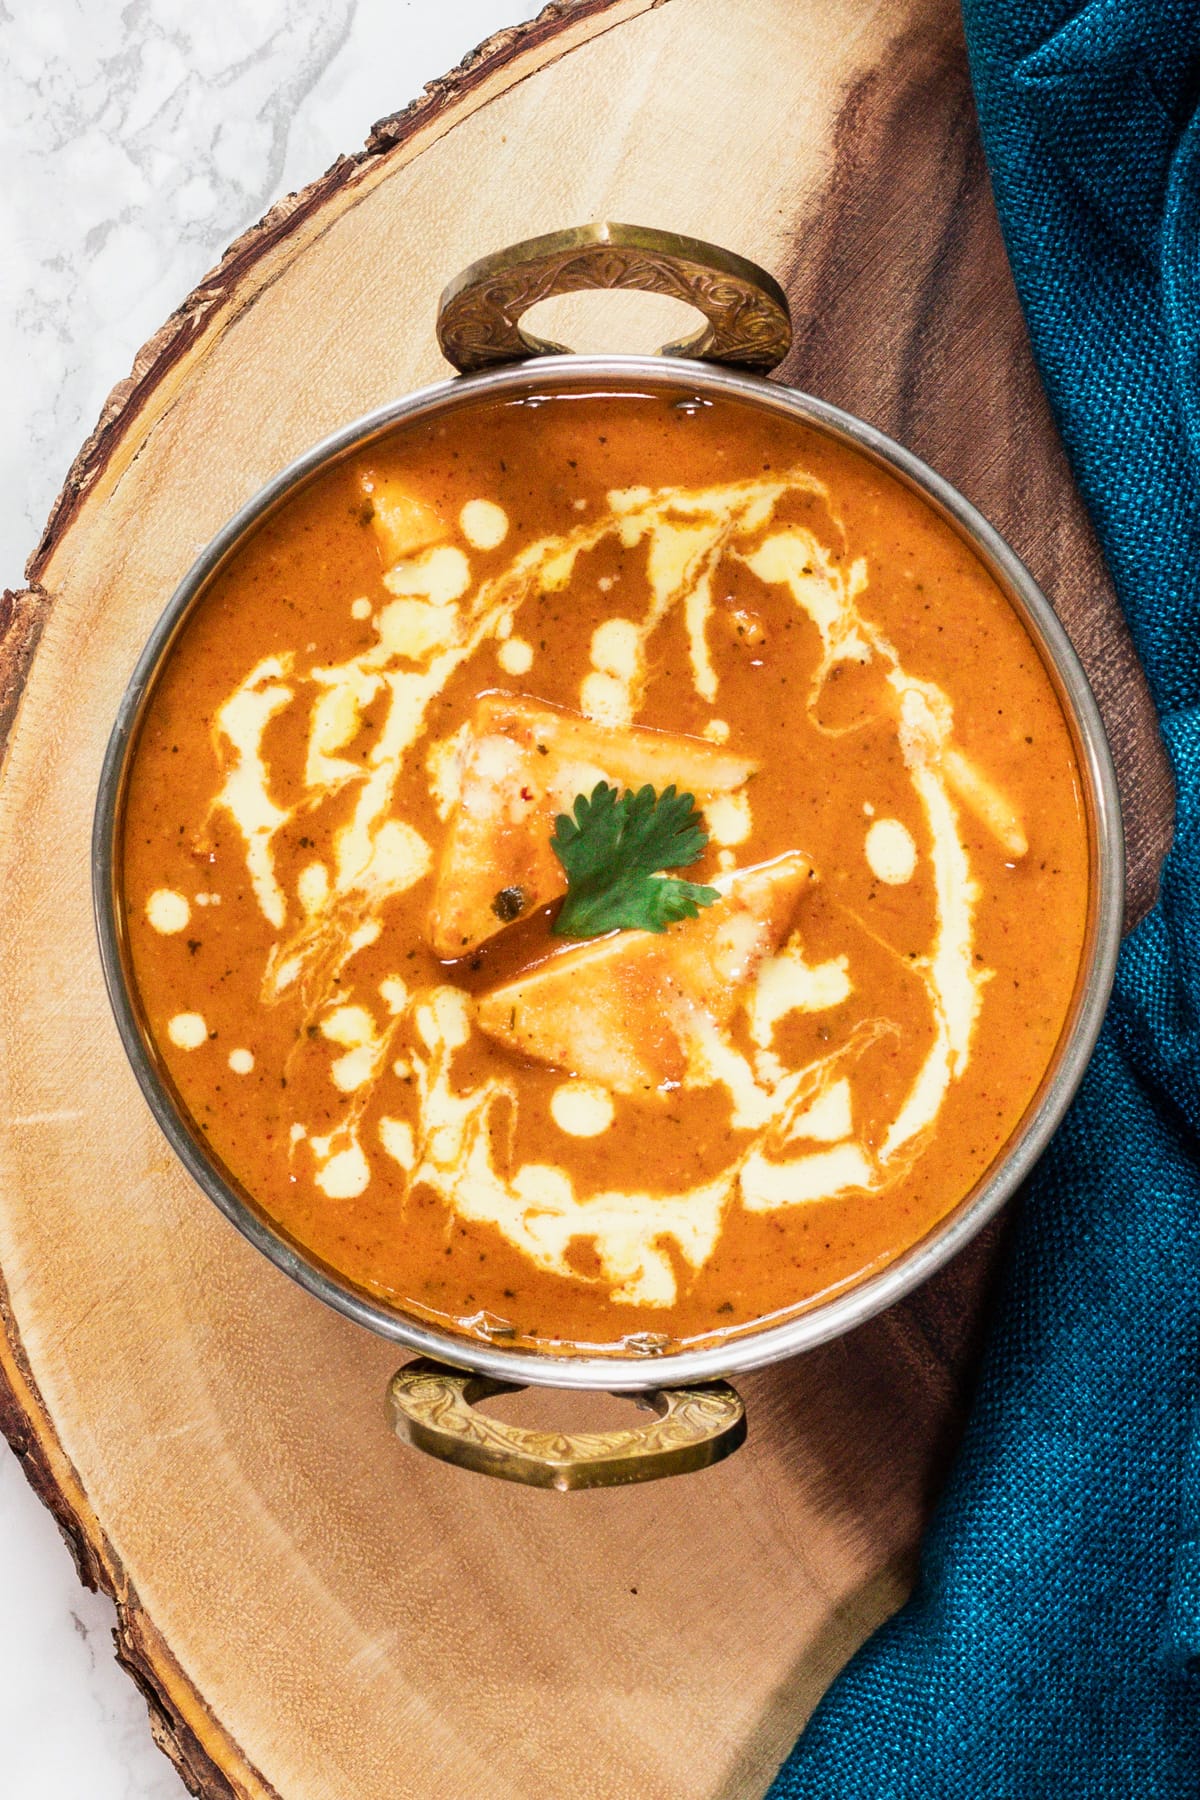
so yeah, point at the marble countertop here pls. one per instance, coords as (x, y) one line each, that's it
(137, 140)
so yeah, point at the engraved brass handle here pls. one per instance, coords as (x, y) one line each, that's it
(433, 1408)
(479, 315)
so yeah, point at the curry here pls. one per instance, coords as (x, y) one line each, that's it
(604, 869)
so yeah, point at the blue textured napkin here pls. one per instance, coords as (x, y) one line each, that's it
(1052, 1649)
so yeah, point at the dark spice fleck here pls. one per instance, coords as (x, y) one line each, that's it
(509, 904)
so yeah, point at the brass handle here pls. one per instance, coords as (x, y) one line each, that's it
(433, 1408)
(479, 315)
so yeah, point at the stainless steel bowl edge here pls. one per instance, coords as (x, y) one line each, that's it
(821, 1320)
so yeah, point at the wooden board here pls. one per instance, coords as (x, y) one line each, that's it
(313, 1611)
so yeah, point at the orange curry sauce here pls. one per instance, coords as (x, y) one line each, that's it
(853, 687)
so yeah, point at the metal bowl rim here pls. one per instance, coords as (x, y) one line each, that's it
(821, 1320)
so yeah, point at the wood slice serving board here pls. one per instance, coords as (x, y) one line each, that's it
(313, 1611)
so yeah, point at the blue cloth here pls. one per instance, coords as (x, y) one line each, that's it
(1052, 1648)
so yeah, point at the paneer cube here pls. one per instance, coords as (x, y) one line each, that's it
(402, 523)
(522, 763)
(631, 1009)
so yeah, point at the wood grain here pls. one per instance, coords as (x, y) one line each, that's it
(312, 1611)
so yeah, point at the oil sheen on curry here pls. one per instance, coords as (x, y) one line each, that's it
(605, 869)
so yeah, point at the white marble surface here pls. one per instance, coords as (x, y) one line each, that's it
(136, 140)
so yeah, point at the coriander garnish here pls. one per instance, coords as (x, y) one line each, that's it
(613, 850)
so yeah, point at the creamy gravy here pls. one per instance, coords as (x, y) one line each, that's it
(339, 879)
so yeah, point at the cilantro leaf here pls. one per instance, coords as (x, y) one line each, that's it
(613, 850)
